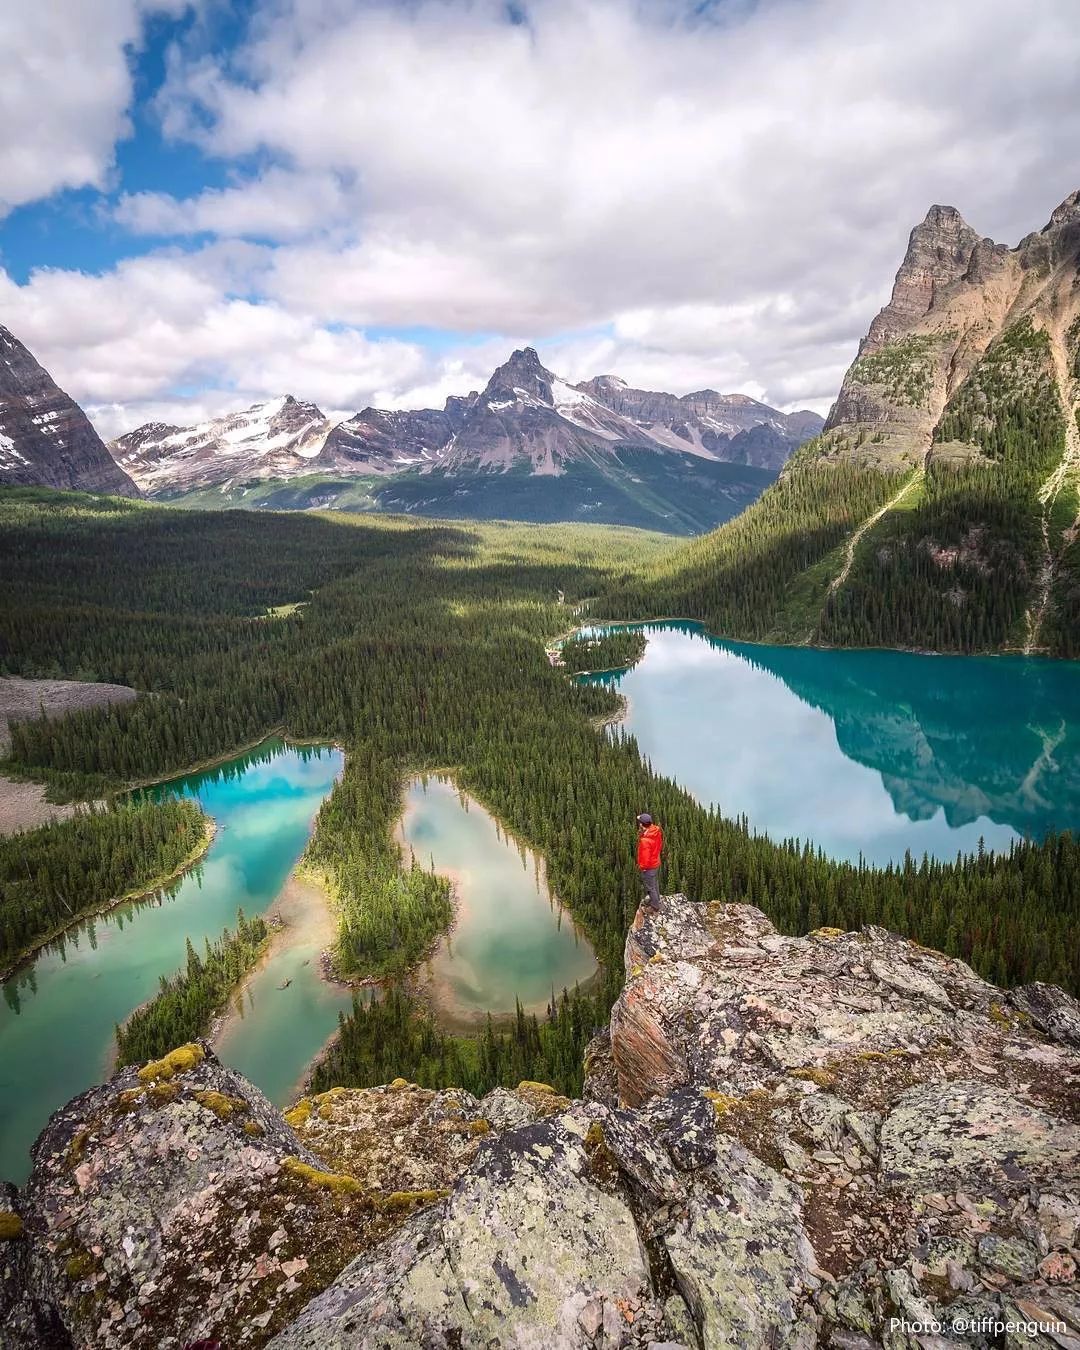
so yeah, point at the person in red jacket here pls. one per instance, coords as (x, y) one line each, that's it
(649, 844)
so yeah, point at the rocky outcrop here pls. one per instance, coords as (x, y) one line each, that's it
(785, 1142)
(45, 437)
(954, 296)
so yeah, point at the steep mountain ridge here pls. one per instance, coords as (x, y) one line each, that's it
(940, 507)
(268, 440)
(968, 378)
(784, 1141)
(45, 437)
(733, 427)
(954, 296)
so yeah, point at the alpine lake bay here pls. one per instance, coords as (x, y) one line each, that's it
(861, 753)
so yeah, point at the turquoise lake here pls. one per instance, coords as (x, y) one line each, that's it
(511, 940)
(865, 753)
(58, 1016)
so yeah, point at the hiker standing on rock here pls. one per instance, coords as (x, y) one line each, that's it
(650, 842)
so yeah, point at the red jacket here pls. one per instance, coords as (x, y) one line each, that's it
(650, 842)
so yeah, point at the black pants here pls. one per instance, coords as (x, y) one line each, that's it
(649, 878)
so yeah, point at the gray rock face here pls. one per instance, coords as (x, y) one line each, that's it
(375, 441)
(785, 1142)
(954, 295)
(731, 427)
(939, 253)
(45, 437)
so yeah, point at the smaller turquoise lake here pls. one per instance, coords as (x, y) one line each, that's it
(512, 939)
(866, 754)
(58, 1016)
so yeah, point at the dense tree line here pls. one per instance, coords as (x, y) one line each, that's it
(423, 649)
(51, 876)
(188, 1002)
(958, 569)
(615, 649)
(396, 1036)
(389, 915)
(955, 569)
(764, 575)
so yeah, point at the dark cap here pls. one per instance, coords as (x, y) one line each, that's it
(644, 818)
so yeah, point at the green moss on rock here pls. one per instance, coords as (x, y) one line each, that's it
(222, 1105)
(337, 1182)
(180, 1060)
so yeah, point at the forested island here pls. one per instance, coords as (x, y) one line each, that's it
(189, 1000)
(614, 649)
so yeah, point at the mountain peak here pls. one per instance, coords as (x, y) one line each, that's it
(943, 218)
(1065, 214)
(525, 360)
(938, 253)
(522, 373)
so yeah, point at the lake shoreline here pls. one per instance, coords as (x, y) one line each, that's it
(989, 654)
(216, 761)
(141, 893)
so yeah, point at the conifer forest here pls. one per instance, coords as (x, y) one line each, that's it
(423, 647)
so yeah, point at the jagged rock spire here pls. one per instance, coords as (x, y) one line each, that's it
(939, 251)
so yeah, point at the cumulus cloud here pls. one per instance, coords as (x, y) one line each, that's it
(278, 204)
(65, 91)
(688, 197)
(597, 163)
(122, 341)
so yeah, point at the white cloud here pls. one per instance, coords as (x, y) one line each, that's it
(607, 162)
(122, 341)
(278, 204)
(65, 91)
(631, 187)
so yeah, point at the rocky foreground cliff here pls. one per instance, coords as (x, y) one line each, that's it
(842, 1139)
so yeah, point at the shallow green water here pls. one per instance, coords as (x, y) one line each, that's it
(512, 939)
(868, 753)
(58, 1015)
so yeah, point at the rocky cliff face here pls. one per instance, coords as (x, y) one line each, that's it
(954, 297)
(45, 437)
(784, 1142)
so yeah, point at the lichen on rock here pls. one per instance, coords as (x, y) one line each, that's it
(785, 1142)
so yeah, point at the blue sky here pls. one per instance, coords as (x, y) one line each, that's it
(204, 204)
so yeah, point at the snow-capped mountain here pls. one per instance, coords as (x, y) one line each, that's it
(529, 445)
(377, 441)
(527, 415)
(279, 439)
(45, 437)
(731, 427)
